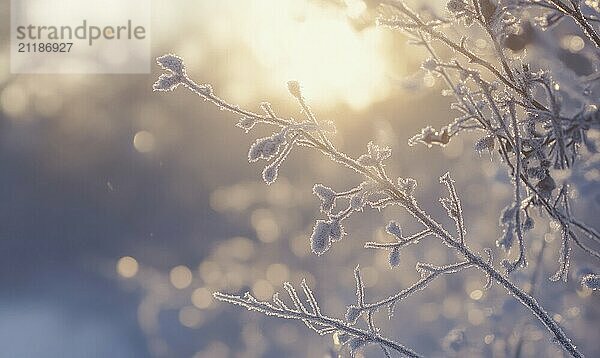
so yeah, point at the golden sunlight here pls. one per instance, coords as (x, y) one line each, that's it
(312, 43)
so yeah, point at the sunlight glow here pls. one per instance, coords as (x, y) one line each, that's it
(355, 8)
(313, 44)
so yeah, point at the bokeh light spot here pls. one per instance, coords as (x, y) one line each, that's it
(127, 266)
(143, 141)
(202, 297)
(180, 276)
(190, 316)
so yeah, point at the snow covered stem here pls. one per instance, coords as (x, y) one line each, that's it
(314, 137)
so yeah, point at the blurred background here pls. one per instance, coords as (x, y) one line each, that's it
(122, 210)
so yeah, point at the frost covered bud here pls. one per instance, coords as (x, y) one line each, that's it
(394, 258)
(336, 230)
(430, 64)
(271, 146)
(320, 240)
(270, 173)
(591, 281)
(327, 196)
(246, 123)
(166, 82)
(357, 202)
(352, 314)
(171, 63)
(294, 88)
(407, 185)
(394, 229)
(266, 148)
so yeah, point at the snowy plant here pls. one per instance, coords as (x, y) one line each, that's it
(519, 109)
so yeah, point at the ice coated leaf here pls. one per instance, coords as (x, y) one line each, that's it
(394, 229)
(352, 314)
(256, 149)
(336, 230)
(320, 240)
(270, 173)
(246, 123)
(408, 185)
(171, 63)
(271, 148)
(394, 257)
(166, 82)
(265, 148)
(327, 196)
(357, 202)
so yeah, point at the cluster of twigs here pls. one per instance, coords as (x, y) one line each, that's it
(529, 130)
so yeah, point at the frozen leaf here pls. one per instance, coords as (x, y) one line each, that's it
(270, 173)
(394, 258)
(167, 82)
(246, 123)
(357, 202)
(407, 185)
(320, 240)
(394, 229)
(327, 196)
(266, 148)
(171, 63)
(336, 230)
(352, 314)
